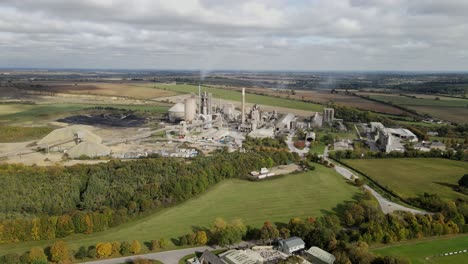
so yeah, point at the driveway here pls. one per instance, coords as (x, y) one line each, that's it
(386, 205)
(166, 257)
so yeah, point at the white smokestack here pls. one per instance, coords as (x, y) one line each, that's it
(243, 106)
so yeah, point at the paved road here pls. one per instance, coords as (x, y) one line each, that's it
(386, 205)
(292, 148)
(166, 257)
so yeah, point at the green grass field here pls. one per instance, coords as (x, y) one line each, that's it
(312, 193)
(426, 252)
(412, 176)
(234, 95)
(32, 112)
(18, 134)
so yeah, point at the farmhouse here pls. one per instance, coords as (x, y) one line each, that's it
(291, 245)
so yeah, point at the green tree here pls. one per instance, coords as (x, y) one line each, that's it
(163, 243)
(463, 182)
(81, 253)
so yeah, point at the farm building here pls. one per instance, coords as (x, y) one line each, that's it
(291, 245)
(320, 256)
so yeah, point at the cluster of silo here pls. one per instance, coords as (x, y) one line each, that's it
(190, 108)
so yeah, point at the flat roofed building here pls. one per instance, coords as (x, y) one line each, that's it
(319, 256)
(291, 245)
(247, 256)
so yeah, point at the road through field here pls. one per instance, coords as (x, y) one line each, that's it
(386, 205)
(166, 257)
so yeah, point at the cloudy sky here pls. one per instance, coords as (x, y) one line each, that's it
(235, 34)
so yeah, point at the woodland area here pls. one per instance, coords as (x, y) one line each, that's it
(52, 202)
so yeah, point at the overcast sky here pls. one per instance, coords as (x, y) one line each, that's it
(235, 34)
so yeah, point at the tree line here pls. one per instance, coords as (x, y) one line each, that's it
(54, 202)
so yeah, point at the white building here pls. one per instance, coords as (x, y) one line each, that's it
(291, 245)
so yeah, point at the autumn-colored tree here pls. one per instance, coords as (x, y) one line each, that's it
(135, 247)
(284, 232)
(35, 229)
(59, 252)
(65, 226)
(269, 231)
(201, 238)
(103, 250)
(154, 245)
(89, 224)
(115, 249)
(142, 261)
(37, 255)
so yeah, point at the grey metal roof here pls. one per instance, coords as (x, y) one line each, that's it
(321, 254)
(293, 242)
(210, 258)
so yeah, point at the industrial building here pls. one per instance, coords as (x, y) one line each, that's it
(391, 139)
(328, 116)
(200, 118)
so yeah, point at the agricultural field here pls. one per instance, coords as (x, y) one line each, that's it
(410, 177)
(33, 112)
(315, 194)
(235, 95)
(110, 89)
(426, 251)
(446, 108)
(18, 134)
(325, 97)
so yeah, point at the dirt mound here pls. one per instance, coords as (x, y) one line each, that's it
(114, 120)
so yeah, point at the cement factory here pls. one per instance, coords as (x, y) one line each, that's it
(199, 118)
(198, 124)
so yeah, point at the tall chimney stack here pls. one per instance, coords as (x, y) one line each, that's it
(243, 106)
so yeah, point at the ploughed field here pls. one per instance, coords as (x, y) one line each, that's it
(340, 98)
(305, 194)
(410, 177)
(428, 251)
(446, 108)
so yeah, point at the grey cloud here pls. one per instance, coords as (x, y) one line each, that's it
(277, 34)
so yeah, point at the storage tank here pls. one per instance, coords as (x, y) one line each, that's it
(190, 109)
